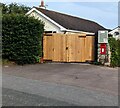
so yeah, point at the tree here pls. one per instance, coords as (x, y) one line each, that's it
(4, 8)
(14, 8)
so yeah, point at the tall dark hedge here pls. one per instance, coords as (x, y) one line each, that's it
(118, 43)
(21, 38)
(115, 52)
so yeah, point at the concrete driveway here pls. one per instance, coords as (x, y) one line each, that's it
(97, 78)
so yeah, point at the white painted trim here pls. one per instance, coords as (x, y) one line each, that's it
(116, 29)
(52, 21)
(75, 31)
(29, 11)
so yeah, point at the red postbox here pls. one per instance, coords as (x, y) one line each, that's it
(103, 48)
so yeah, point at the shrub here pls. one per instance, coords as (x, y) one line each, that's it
(118, 41)
(21, 38)
(115, 51)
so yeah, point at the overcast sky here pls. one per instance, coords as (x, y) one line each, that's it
(104, 13)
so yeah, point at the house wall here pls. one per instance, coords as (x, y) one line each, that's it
(113, 33)
(48, 25)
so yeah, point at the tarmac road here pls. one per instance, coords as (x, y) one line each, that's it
(17, 98)
(39, 85)
(58, 93)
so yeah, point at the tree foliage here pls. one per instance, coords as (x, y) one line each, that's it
(14, 8)
(115, 51)
(22, 37)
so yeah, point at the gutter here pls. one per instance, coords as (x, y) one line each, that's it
(75, 31)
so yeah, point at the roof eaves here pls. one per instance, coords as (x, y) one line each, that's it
(75, 31)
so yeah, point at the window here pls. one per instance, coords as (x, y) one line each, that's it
(50, 31)
(116, 33)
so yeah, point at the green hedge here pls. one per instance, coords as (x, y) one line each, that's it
(21, 38)
(115, 52)
(14, 8)
(118, 41)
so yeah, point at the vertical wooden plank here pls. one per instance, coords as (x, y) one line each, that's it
(64, 37)
(93, 48)
(83, 49)
(57, 56)
(63, 48)
(54, 46)
(87, 48)
(77, 49)
(84, 55)
(80, 48)
(50, 47)
(90, 48)
(47, 47)
(71, 47)
(80, 45)
(44, 47)
(66, 48)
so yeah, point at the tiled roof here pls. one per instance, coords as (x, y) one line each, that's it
(72, 22)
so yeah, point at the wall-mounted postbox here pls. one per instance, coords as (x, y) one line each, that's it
(103, 48)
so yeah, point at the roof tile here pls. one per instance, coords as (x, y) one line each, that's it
(72, 22)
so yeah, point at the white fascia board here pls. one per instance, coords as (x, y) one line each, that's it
(111, 32)
(75, 31)
(52, 21)
(115, 29)
(29, 12)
